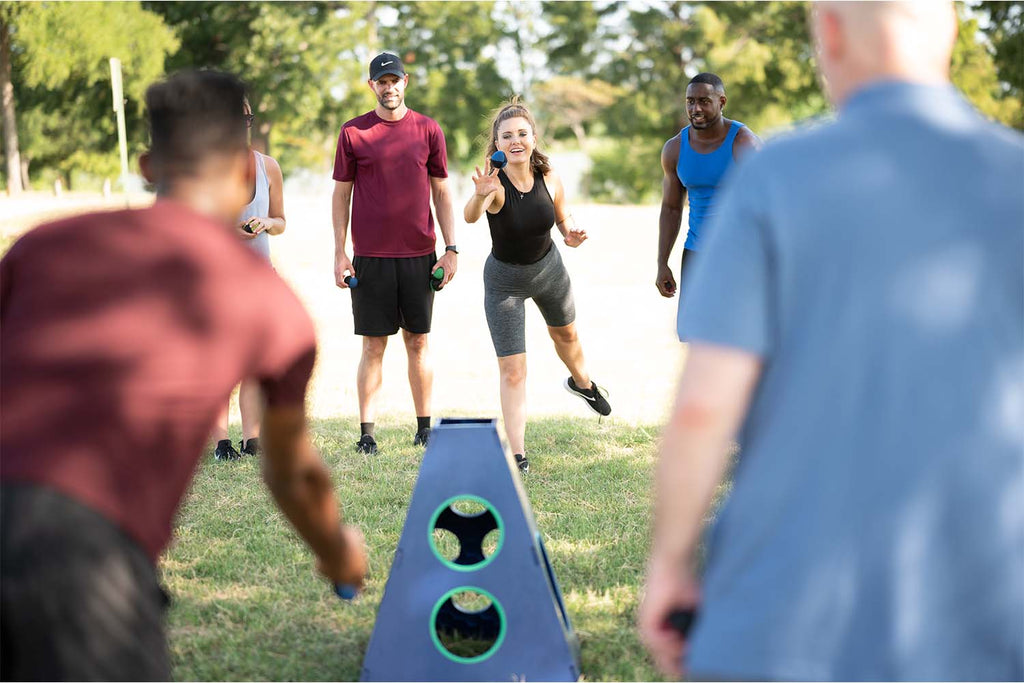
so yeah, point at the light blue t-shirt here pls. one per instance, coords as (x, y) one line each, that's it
(875, 529)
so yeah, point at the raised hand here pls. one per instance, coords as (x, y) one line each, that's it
(486, 181)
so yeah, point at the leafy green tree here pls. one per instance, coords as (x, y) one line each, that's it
(579, 36)
(449, 50)
(1005, 30)
(12, 153)
(60, 67)
(761, 51)
(573, 103)
(299, 59)
(973, 72)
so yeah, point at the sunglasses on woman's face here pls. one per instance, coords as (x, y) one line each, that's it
(248, 120)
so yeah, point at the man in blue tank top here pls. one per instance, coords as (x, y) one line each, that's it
(694, 162)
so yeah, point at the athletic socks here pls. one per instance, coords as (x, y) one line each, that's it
(422, 423)
(365, 428)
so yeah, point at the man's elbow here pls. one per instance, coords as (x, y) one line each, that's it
(696, 413)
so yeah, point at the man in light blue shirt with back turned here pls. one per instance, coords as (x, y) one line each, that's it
(857, 320)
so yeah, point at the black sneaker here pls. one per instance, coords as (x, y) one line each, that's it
(594, 396)
(422, 437)
(225, 451)
(522, 463)
(250, 447)
(367, 445)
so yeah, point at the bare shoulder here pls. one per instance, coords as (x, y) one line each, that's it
(745, 142)
(670, 150)
(273, 168)
(553, 180)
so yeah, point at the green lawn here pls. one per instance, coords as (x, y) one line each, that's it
(247, 604)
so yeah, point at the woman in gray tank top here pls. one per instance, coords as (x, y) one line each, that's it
(263, 216)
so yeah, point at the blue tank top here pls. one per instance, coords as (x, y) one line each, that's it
(701, 174)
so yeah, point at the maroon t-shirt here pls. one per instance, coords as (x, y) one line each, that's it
(390, 164)
(122, 335)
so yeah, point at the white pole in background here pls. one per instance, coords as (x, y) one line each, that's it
(118, 92)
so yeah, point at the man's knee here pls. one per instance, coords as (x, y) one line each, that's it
(415, 343)
(373, 347)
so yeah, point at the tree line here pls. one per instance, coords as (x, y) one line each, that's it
(606, 77)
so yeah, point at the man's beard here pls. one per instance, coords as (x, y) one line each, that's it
(397, 102)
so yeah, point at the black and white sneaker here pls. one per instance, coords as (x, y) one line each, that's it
(225, 451)
(250, 447)
(522, 463)
(422, 437)
(367, 445)
(594, 396)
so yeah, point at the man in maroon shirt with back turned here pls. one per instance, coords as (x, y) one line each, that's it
(390, 162)
(119, 344)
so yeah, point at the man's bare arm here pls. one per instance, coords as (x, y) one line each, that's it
(341, 200)
(672, 195)
(446, 221)
(301, 487)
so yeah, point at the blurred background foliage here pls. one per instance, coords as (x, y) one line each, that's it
(605, 78)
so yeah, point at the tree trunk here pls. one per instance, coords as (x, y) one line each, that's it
(261, 138)
(580, 133)
(371, 26)
(521, 15)
(14, 185)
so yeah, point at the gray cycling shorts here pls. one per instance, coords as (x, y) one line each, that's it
(507, 286)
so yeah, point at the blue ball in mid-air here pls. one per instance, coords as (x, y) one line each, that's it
(498, 159)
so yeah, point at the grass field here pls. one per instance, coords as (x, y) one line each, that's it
(247, 604)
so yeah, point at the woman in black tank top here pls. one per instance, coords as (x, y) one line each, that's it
(522, 202)
(521, 230)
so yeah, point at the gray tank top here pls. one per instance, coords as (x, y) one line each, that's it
(259, 207)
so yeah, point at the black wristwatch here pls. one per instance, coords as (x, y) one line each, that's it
(451, 247)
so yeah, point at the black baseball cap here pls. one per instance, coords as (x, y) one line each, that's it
(386, 63)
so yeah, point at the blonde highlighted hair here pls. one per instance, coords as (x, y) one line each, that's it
(539, 161)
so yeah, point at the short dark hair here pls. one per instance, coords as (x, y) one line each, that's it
(710, 79)
(194, 114)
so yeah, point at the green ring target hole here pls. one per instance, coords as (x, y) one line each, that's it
(466, 533)
(467, 625)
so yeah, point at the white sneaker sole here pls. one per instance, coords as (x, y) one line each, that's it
(585, 399)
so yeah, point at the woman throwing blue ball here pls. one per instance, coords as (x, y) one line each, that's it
(522, 201)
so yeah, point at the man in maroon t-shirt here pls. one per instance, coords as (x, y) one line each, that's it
(119, 344)
(390, 162)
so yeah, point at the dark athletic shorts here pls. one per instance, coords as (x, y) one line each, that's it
(79, 600)
(392, 293)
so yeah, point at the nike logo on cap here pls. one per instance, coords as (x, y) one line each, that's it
(386, 63)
